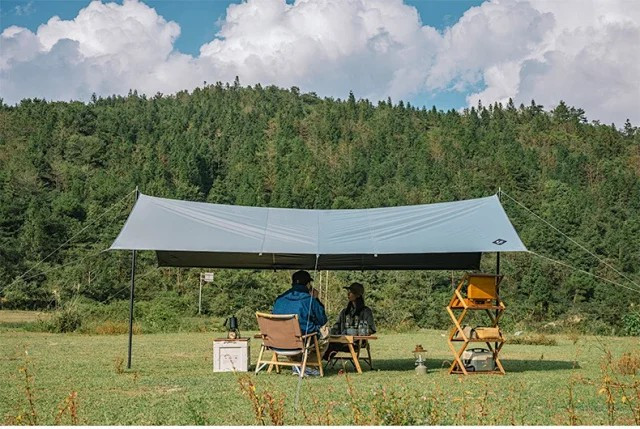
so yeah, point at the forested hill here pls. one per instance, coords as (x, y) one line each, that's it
(63, 164)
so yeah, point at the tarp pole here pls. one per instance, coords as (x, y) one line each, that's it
(133, 284)
(498, 268)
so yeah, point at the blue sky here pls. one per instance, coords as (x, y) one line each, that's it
(200, 21)
(451, 55)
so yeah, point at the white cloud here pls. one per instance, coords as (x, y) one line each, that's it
(24, 10)
(374, 47)
(582, 52)
(108, 48)
(587, 58)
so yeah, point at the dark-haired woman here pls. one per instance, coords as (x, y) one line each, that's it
(351, 319)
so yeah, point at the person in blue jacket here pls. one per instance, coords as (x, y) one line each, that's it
(302, 300)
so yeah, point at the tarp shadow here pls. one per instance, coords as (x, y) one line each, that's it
(407, 364)
(524, 365)
(403, 364)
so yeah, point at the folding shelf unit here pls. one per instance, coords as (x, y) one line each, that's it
(481, 294)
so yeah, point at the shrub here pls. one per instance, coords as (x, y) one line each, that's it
(247, 319)
(67, 319)
(631, 324)
(159, 316)
(533, 340)
(25, 296)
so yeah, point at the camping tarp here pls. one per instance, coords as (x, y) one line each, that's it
(450, 235)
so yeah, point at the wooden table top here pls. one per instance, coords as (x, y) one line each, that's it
(355, 337)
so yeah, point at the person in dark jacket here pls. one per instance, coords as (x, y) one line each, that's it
(350, 317)
(302, 300)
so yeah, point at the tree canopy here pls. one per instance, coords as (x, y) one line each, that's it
(62, 164)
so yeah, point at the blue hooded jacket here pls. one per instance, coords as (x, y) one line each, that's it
(297, 300)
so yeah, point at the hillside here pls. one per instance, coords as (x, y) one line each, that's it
(63, 164)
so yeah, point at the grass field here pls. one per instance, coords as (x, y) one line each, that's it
(172, 383)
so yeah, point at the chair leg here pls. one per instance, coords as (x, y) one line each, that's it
(318, 356)
(305, 354)
(369, 355)
(274, 359)
(259, 358)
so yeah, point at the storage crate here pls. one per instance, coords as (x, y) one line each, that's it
(231, 355)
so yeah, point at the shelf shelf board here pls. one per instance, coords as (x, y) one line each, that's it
(481, 340)
(457, 371)
(477, 307)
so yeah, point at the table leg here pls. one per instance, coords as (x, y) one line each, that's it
(356, 363)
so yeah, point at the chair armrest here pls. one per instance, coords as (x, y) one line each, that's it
(309, 335)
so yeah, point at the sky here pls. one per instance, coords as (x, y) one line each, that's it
(447, 53)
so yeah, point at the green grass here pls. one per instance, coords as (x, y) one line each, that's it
(172, 383)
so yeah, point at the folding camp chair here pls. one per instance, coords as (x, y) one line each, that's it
(281, 335)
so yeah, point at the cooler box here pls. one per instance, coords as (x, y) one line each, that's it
(231, 355)
(478, 360)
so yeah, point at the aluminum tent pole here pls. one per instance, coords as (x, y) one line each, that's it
(498, 269)
(200, 297)
(133, 284)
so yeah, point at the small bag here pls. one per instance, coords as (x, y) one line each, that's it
(468, 331)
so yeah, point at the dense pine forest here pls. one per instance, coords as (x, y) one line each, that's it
(68, 169)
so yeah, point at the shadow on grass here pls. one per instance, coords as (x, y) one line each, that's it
(407, 364)
(404, 364)
(517, 365)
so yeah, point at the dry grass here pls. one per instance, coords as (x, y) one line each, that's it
(628, 363)
(115, 328)
(19, 316)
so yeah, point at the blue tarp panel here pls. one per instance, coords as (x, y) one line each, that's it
(449, 235)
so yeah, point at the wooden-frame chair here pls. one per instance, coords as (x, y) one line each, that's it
(281, 335)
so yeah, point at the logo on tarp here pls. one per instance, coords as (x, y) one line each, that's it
(499, 241)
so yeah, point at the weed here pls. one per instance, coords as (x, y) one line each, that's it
(265, 405)
(118, 363)
(70, 407)
(356, 412)
(31, 416)
(628, 364)
(571, 407)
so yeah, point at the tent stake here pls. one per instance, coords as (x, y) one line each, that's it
(133, 284)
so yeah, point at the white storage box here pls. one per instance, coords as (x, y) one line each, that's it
(231, 355)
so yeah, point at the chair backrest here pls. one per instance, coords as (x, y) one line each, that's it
(281, 331)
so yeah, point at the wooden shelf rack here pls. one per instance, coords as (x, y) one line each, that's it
(492, 306)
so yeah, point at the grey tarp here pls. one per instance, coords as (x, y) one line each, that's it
(449, 235)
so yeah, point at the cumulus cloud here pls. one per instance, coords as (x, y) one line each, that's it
(108, 48)
(582, 52)
(585, 58)
(374, 47)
